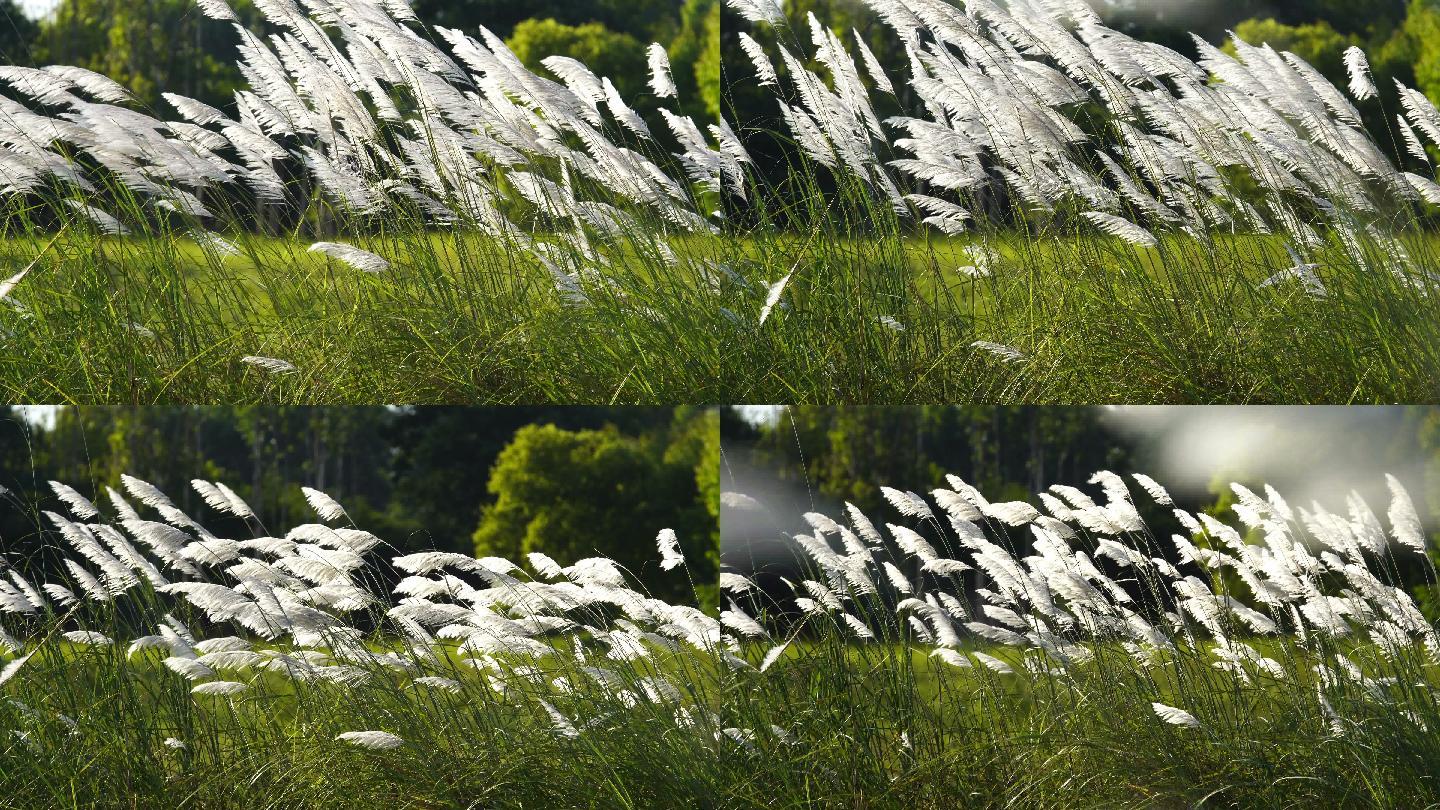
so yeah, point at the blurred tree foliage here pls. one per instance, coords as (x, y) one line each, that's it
(150, 47)
(159, 46)
(17, 33)
(1401, 37)
(576, 494)
(613, 54)
(643, 19)
(695, 59)
(416, 477)
(1008, 453)
(1170, 21)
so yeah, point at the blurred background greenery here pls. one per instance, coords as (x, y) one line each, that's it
(569, 482)
(167, 45)
(155, 46)
(806, 458)
(1401, 38)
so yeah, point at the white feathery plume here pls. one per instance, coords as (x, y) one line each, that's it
(872, 65)
(215, 243)
(544, 565)
(373, 740)
(561, 724)
(907, 503)
(62, 595)
(1303, 272)
(9, 643)
(741, 622)
(1412, 141)
(740, 501)
(217, 499)
(897, 578)
(952, 658)
(13, 668)
(148, 493)
(1404, 521)
(325, 506)
(188, 668)
(1362, 86)
(235, 504)
(1174, 716)
(1014, 513)
(270, 364)
(669, 546)
(102, 221)
(622, 112)
(221, 688)
(763, 67)
(1428, 189)
(993, 664)
(758, 11)
(735, 583)
(79, 504)
(859, 628)
(1157, 492)
(1008, 354)
(362, 260)
(863, 526)
(8, 285)
(662, 84)
(1122, 228)
(217, 10)
(437, 682)
(772, 298)
(101, 88)
(771, 657)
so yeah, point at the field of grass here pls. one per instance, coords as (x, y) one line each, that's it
(1091, 321)
(995, 655)
(541, 241)
(150, 663)
(147, 663)
(162, 666)
(1147, 228)
(457, 319)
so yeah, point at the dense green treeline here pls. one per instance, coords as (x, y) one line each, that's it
(572, 482)
(168, 46)
(1011, 453)
(1400, 37)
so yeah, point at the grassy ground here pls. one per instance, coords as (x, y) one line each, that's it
(879, 729)
(1096, 321)
(105, 736)
(459, 319)
(836, 726)
(572, 691)
(454, 320)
